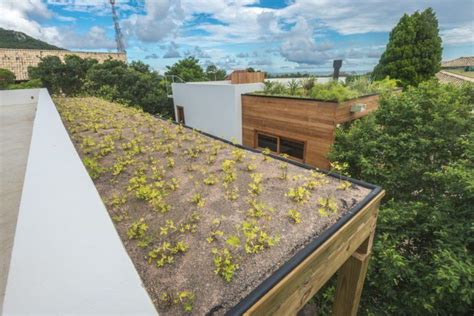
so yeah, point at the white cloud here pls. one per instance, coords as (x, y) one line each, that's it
(459, 35)
(299, 45)
(162, 19)
(198, 53)
(172, 51)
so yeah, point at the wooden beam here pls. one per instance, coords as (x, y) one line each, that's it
(300, 285)
(350, 281)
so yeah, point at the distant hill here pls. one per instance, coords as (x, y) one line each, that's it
(13, 39)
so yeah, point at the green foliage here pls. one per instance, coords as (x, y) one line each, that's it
(188, 69)
(295, 216)
(132, 84)
(213, 73)
(413, 53)
(138, 229)
(331, 91)
(186, 299)
(93, 167)
(299, 194)
(255, 186)
(6, 78)
(419, 146)
(30, 84)
(327, 206)
(224, 263)
(256, 238)
(165, 252)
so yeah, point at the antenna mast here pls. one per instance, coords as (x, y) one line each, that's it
(118, 32)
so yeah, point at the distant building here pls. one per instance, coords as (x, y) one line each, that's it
(466, 63)
(457, 71)
(18, 60)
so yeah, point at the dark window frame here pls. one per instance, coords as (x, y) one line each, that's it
(279, 137)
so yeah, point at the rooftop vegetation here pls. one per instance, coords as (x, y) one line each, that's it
(419, 146)
(201, 219)
(331, 91)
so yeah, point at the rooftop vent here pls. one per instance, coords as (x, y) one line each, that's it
(337, 64)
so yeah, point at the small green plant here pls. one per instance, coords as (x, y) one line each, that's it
(117, 200)
(159, 204)
(266, 154)
(213, 235)
(230, 174)
(327, 206)
(170, 162)
(251, 166)
(224, 263)
(255, 187)
(186, 300)
(233, 241)
(299, 194)
(238, 155)
(93, 167)
(258, 209)
(210, 180)
(232, 194)
(137, 229)
(283, 166)
(344, 185)
(173, 184)
(256, 238)
(165, 252)
(168, 227)
(198, 200)
(295, 216)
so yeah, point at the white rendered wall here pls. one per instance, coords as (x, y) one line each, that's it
(67, 257)
(213, 108)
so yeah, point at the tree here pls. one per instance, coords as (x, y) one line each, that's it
(6, 78)
(419, 146)
(214, 73)
(50, 72)
(413, 52)
(188, 69)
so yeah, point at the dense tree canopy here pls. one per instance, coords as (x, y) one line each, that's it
(189, 69)
(133, 84)
(413, 53)
(6, 78)
(419, 146)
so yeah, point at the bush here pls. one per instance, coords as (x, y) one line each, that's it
(419, 146)
(6, 78)
(30, 84)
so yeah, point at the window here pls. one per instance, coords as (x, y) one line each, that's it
(281, 145)
(292, 148)
(266, 141)
(180, 115)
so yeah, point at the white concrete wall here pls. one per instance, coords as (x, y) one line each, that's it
(213, 108)
(67, 257)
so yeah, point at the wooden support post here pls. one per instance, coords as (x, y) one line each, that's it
(350, 280)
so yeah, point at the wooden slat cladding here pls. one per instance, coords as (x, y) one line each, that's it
(306, 120)
(344, 114)
(297, 288)
(239, 76)
(311, 121)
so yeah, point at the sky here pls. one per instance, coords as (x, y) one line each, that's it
(278, 36)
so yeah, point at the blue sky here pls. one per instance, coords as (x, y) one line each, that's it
(275, 36)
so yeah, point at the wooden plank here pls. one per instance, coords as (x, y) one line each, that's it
(350, 281)
(295, 289)
(311, 121)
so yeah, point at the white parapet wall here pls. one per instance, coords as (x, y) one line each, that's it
(214, 107)
(67, 258)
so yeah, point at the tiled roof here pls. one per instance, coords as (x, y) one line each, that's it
(457, 80)
(459, 62)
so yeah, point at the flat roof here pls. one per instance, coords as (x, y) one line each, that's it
(165, 184)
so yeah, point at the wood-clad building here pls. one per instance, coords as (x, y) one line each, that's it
(304, 129)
